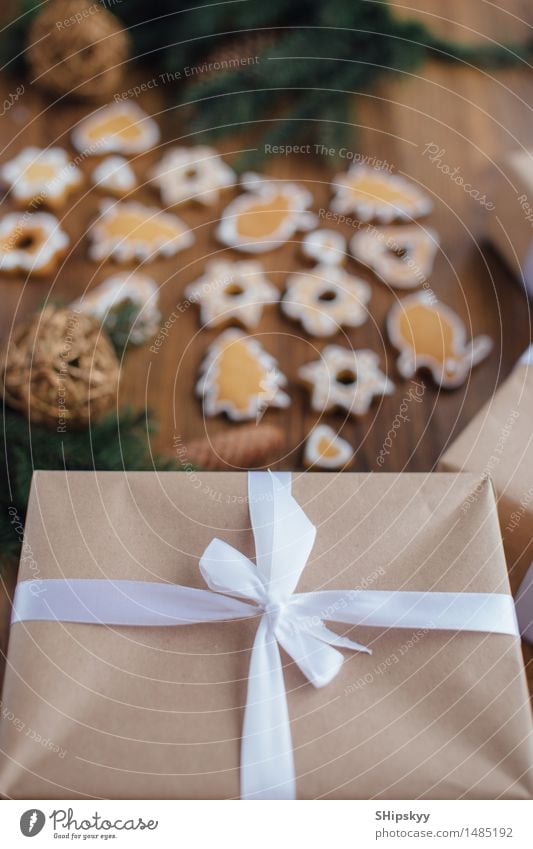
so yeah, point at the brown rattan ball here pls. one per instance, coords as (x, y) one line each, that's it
(77, 47)
(60, 369)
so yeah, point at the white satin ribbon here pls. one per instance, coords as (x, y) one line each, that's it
(527, 357)
(284, 537)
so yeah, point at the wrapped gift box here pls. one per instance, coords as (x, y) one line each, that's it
(91, 710)
(510, 219)
(498, 442)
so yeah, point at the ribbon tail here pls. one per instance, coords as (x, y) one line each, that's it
(267, 761)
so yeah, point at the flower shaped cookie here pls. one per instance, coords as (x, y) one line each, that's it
(232, 290)
(37, 176)
(128, 231)
(345, 379)
(325, 299)
(192, 174)
(374, 195)
(32, 243)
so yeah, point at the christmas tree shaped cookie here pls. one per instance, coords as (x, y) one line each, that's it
(267, 215)
(402, 256)
(374, 195)
(239, 378)
(430, 335)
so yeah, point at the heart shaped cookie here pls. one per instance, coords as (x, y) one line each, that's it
(325, 449)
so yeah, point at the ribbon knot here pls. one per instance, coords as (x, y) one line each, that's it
(273, 612)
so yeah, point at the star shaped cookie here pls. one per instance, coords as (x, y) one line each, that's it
(232, 290)
(345, 379)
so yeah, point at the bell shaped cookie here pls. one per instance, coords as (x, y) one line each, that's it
(430, 335)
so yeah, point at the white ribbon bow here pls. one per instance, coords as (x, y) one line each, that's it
(284, 537)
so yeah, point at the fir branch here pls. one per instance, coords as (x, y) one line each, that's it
(119, 442)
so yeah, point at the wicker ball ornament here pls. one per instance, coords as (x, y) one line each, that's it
(77, 47)
(60, 369)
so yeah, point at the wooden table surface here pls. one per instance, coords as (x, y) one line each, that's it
(474, 117)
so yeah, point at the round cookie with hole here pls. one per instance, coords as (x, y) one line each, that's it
(326, 299)
(196, 174)
(232, 292)
(31, 243)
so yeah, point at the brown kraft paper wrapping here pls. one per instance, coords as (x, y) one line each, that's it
(95, 711)
(498, 442)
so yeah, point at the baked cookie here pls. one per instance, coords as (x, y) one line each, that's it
(374, 195)
(345, 379)
(239, 378)
(430, 335)
(325, 299)
(269, 214)
(402, 256)
(326, 247)
(31, 243)
(37, 176)
(115, 176)
(325, 449)
(120, 290)
(120, 127)
(128, 231)
(232, 291)
(192, 174)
